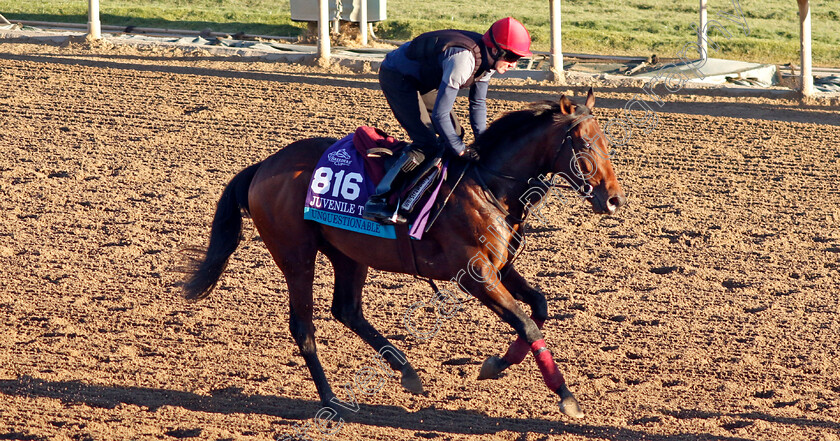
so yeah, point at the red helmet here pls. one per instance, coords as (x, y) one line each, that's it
(510, 36)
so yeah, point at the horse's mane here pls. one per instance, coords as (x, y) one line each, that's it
(523, 121)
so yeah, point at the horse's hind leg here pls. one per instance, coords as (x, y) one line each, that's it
(295, 255)
(519, 348)
(347, 308)
(275, 198)
(303, 329)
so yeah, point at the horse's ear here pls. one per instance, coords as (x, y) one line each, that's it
(590, 99)
(566, 105)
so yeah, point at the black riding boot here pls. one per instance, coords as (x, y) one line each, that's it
(377, 208)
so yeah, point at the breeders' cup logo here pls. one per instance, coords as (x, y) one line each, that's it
(340, 158)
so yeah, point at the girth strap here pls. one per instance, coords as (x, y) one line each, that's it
(406, 249)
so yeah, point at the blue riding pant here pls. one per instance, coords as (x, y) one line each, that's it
(412, 109)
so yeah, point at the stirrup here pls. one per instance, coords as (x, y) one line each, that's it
(414, 158)
(378, 152)
(396, 219)
(379, 211)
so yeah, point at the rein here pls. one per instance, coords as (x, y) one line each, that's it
(495, 200)
(530, 181)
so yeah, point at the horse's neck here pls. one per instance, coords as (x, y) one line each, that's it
(512, 179)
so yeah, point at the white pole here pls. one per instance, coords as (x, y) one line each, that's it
(363, 22)
(94, 27)
(323, 31)
(556, 42)
(807, 80)
(337, 21)
(701, 34)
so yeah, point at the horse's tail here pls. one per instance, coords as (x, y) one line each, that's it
(225, 235)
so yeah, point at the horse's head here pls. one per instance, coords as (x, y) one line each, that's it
(553, 137)
(577, 153)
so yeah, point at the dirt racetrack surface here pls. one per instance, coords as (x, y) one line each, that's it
(707, 308)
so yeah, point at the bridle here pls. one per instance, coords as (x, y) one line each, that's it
(567, 139)
(585, 188)
(531, 182)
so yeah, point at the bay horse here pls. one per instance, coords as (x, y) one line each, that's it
(560, 138)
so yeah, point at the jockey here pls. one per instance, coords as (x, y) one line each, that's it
(420, 81)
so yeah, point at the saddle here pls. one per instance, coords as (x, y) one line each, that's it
(347, 174)
(380, 150)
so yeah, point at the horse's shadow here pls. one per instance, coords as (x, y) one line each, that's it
(231, 401)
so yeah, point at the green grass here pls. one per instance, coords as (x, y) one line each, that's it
(635, 27)
(259, 17)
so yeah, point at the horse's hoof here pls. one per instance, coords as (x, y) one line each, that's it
(411, 382)
(340, 412)
(492, 367)
(569, 404)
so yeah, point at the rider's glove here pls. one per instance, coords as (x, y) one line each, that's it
(470, 154)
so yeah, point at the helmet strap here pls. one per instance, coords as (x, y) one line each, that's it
(499, 51)
(501, 54)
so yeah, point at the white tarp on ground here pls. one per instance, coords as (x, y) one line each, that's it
(720, 71)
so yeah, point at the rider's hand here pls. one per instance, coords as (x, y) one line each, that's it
(470, 154)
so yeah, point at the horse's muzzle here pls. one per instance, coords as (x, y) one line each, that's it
(607, 203)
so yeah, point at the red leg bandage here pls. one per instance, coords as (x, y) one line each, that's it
(518, 349)
(551, 375)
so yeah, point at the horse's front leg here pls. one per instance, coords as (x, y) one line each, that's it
(519, 348)
(500, 300)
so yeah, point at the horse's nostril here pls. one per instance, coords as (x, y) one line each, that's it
(616, 201)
